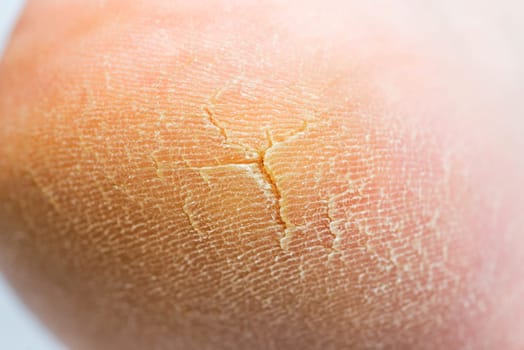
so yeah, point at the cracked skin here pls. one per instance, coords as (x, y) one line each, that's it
(175, 180)
(266, 173)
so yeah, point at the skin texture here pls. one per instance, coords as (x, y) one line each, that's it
(262, 175)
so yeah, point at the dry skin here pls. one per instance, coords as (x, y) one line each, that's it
(240, 176)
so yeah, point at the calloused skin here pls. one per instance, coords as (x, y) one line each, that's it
(265, 175)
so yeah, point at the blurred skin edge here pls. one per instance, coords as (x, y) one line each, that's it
(9, 19)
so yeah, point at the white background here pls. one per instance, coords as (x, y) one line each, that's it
(19, 330)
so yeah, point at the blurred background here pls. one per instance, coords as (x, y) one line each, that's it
(19, 329)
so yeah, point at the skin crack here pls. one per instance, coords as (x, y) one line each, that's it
(187, 213)
(215, 123)
(270, 179)
(261, 161)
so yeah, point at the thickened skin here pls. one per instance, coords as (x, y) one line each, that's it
(226, 175)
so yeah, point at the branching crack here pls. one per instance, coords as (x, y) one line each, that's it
(270, 179)
(223, 132)
(262, 162)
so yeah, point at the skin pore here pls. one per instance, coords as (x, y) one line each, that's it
(262, 175)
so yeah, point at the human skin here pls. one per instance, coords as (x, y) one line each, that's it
(263, 175)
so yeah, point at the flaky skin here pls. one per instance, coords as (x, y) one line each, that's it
(261, 175)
